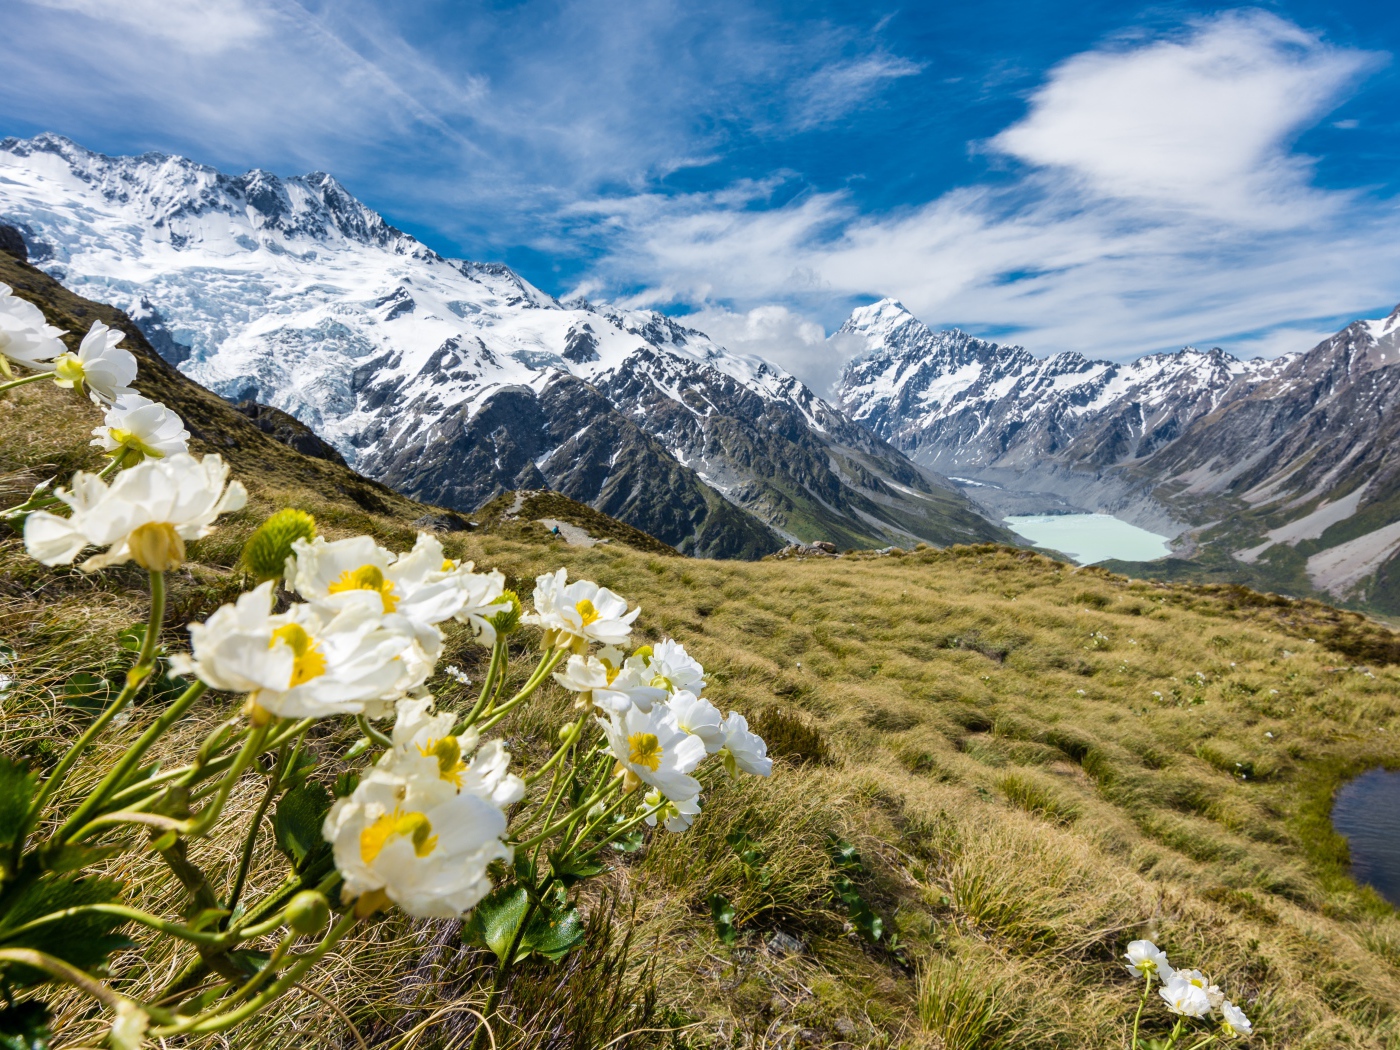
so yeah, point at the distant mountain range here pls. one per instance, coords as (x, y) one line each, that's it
(453, 381)
(1283, 473)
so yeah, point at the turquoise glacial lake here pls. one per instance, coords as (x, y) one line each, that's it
(1087, 538)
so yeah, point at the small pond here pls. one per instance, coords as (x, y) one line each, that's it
(1088, 538)
(1367, 812)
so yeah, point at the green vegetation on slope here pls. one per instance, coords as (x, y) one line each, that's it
(1035, 765)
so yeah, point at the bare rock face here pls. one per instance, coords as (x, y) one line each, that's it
(289, 430)
(12, 243)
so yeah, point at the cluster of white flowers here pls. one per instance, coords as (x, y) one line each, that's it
(657, 725)
(100, 368)
(1187, 993)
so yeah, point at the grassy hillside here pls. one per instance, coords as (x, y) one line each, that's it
(1035, 764)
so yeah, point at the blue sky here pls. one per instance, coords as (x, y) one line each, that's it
(1103, 177)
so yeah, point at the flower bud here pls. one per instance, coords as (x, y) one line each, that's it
(267, 550)
(157, 547)
(507, 620)
(308, 912)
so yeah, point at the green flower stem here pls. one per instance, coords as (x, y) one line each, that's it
(1176, 1031)
(245, 860)
(1137, 1018)
(563, 822)
(196, 826)
(129, 761)
(590, 826)
(493, 676)
(63, 971)
(252, 747)
(374, 735)
(619, 831)
(550, 662)
(572, 739)
(174, 929)
(220, 1022)
(1213, 1037)
(27, 379)
(140, 671)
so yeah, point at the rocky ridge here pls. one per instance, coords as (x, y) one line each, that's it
(454, 380)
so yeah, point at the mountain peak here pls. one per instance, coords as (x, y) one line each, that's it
(878, 318)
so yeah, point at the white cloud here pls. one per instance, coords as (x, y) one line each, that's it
(836, 89)
(776, 334)
(1162, 209)
(1200, 121)
(200, 27)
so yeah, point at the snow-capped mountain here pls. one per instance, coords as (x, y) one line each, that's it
(1039, 433)
(454, 380)
(1286, 466)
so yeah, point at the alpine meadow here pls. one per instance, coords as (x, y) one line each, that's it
(992, 777)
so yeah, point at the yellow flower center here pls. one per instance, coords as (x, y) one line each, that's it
(448, 565)
(448, 753)
(367, 578)
(156, 547)
(644, 750)
(68, 370)
(128, 440)
(414, 826)
(309, 661)
(586, 612)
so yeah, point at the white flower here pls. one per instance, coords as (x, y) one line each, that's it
(359, 571)
(672, 668)
(425, 747)
(100, 365)
(308, 662)
(484, 599)
(677, 815)
(700, 718)
(457, 674)
(1146, 959)
(136, 427)
(421, 842)
(744, 749)
(25, 337)
(145, 516)
(574, 614)
(607, 683)
(1185, 998)
(653, 748)
(1233, 1021)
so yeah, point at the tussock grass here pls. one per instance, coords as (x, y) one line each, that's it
(1037, 764)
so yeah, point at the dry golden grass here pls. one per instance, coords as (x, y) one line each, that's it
(1038, 764)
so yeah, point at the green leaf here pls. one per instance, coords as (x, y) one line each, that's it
(552, 932)
(297, 824)
(630, 842)
(132, 638)
(25, 1026)
(249, 961)
(83, 940)
(845, 856)
(571, 869)
(723, 913)
(17, 786)
(494, 922)
(86, 692)
(346, 782)
(206, 918)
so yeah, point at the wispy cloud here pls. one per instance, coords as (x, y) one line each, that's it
(835, 90)
(1158, 204)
